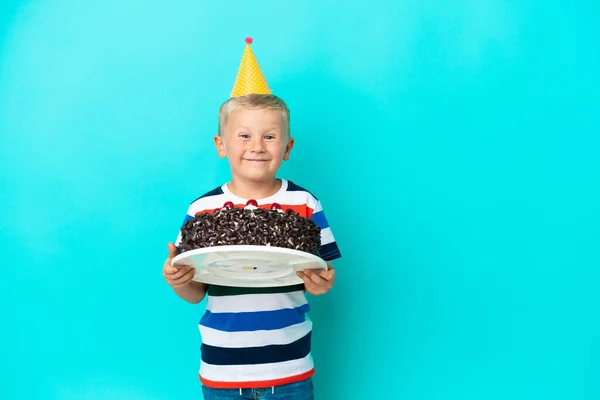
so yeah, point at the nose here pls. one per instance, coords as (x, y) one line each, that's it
(257, 145)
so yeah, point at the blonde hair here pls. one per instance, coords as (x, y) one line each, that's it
(255, 101)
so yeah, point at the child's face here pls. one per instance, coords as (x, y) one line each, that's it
(255, 143)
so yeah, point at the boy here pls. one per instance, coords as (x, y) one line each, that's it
(256, 341)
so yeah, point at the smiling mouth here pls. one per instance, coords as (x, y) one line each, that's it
(255, 160)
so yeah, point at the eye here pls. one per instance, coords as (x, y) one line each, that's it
(244, 135)
(269, 137)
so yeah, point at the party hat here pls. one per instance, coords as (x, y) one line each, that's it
(250, 79)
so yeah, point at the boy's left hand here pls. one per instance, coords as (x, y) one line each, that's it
(318, 282)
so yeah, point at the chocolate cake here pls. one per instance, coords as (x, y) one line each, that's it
(251, 226)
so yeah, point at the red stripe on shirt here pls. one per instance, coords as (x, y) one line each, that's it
(257, 384)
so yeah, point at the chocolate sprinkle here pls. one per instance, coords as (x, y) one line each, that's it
(237, 226)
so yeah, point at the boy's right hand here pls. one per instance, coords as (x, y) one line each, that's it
(177, 276)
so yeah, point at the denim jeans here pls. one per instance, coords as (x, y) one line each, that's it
(302, 390)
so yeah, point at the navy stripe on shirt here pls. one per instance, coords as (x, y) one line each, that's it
(214, 192)
(256, 355)
(330, 251)
(292, 187)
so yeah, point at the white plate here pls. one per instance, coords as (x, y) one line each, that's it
(248, 266)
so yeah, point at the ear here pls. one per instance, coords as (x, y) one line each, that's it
(220, 145)
(288, 149)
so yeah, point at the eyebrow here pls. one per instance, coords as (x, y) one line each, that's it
(273, 129)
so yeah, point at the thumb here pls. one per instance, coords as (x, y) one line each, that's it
(172, 250)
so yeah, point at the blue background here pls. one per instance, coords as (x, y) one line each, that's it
(454, 145)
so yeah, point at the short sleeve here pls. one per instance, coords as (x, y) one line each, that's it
(329, 249)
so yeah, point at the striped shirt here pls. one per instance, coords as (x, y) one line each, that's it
(259, 337)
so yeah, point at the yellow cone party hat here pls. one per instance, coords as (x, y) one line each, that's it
(250, 79)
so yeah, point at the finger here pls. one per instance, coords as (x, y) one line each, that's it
(169, 270)
(328, 275)
(313, 288)
(185, 278)
(310, 276)
(178, 272)
(315, 277)
(304, 278)
(309, 285)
